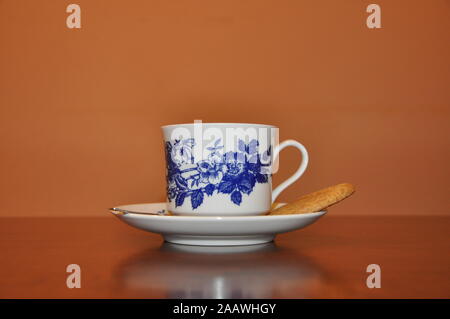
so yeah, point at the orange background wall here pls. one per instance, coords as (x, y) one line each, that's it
(81, 109)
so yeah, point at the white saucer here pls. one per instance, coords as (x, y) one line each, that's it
(212, 231)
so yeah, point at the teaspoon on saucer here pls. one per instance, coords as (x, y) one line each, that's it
(121, 211)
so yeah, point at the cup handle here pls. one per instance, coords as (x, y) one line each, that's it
(301, 169)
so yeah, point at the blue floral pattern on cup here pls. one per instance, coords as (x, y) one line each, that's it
(233, 173)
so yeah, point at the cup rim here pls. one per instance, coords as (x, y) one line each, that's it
(220, 124)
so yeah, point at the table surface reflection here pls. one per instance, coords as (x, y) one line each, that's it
(326, 260)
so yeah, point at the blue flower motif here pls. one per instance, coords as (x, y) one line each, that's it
(234, 173)
(181, 151)
(210, 172)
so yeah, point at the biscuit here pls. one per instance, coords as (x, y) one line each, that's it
(316, 201)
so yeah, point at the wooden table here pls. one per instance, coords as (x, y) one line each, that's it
(325, 260)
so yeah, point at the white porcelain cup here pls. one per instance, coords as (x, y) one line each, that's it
(224, 169)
